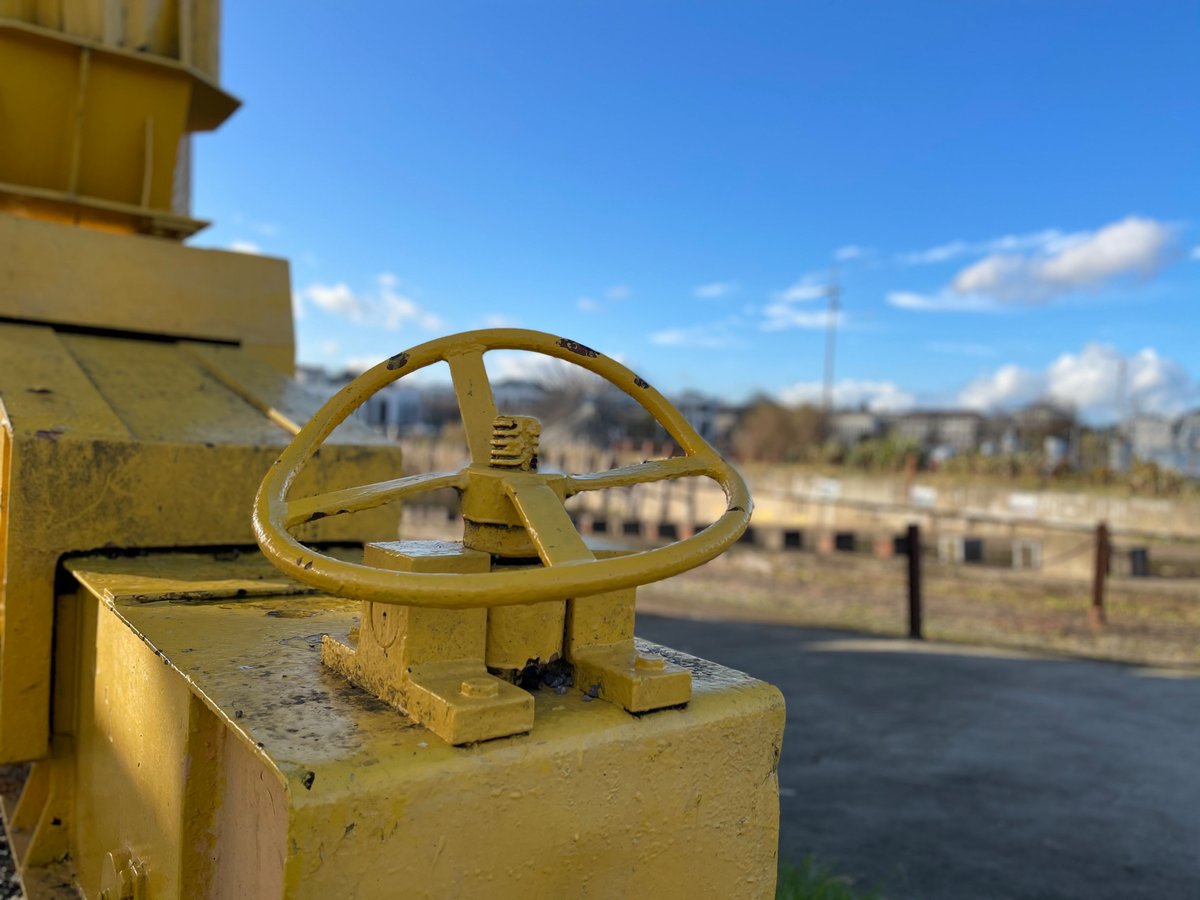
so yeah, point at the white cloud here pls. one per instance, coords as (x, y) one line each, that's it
(783, 312)
(810, 287)
(849, 252)
(709, 336)
(714, 290)
(1046, 241)
(387, 307)
(1098, 382)
(613, 294)
(943, 301)
(781, 316)
(518, 365)
(1040, 267)
(337, 299)
(877, 396)
(297, 305)
(245, 247)
(940, 253)
(399, 310)
(1008, 387)
(957, 348)
(1195, 254)
(1132, 247)
(330, 348)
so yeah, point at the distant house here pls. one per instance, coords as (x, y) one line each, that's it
(1187, 433)
(515, 396)
(1172, 444)
(712, 417)
(398, 406)
(1150, 437)
(958, 431)
(1040, 421)
(851, 427)
(1187, 443)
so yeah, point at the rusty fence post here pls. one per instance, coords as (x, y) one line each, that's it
(912, 545)
(1096, 611)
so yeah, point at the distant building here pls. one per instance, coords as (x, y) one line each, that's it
(956, 431)
(517, 397)
(713, 418)
(1150, 437)
(1041, 420)
(850, 427)
(399, 406)
(1172, 444)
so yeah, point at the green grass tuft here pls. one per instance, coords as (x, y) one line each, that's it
(813, 881)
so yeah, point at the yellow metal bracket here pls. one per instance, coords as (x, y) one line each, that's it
(429, 663)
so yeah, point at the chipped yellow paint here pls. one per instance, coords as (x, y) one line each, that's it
(119, 442)
(299, 785)
(429, 663)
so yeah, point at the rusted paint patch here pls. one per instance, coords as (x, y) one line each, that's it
(640, 382)
(580, 349)
(307, 781)
(399, 361)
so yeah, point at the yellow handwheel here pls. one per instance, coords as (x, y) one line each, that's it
(535, 497)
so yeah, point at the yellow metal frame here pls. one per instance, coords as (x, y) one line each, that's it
(203, 750)
(101, 126)
(99, 449)
(570, 569)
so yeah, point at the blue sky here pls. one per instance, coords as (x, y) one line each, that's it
(1009, 190)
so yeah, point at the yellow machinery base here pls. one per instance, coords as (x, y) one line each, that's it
(201, 749)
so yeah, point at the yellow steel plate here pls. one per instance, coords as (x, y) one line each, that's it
(594, 801)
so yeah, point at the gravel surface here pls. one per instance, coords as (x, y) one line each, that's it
(8, 876)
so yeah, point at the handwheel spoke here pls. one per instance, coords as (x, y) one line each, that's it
(475, 402)
(642, 473)
(550, 528)
(365, 496)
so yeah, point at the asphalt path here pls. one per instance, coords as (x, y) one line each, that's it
(948, 772)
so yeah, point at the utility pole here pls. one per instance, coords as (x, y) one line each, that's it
(834, 292)
(913, 546)
(1103, 550)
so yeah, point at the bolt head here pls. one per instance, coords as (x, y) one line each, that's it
(483, 686)
(650, 662)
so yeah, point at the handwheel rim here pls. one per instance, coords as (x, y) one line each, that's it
(571, 579)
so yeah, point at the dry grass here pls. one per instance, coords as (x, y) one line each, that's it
(1150, 622)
